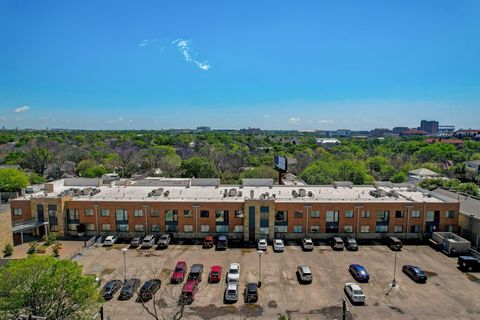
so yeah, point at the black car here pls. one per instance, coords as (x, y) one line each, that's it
(196, 272)
(110, 288)
(149, 288)
(350, 243)
(251, 292)
(415, 273)
(394, 243)
(129, 289)
(222, 243)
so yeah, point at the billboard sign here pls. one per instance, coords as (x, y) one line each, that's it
(281, 163)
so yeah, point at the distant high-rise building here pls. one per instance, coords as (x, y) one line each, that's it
(398, 130)
(203, 129)
(429, 126)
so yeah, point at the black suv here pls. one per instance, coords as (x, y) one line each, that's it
(251, 292)
(129, 288)
(149, 288)
(222, 243)
(350, 243)
(110, 288)
(394, 243)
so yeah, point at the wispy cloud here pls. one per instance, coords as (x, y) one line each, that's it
(294, 120)
(146, 42)
(22, 109)
(117, 120)
(183, 46)
(266, 116)
(323, 121)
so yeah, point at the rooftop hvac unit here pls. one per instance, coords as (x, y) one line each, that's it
(267, 194)
(166, 193)
(294, 193)
(302, 192)
(252, 194)
(239, 193)
(232, 193)
(310, 194)
(262, 196)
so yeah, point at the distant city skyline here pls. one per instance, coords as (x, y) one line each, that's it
(324, 65)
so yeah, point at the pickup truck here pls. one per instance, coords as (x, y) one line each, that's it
(468, 263)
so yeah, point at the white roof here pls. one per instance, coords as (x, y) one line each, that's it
(423, 172)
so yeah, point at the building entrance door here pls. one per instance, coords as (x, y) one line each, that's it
(251, 224)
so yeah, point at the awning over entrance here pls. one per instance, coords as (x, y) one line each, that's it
(28, 225)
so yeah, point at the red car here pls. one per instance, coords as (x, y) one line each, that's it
(215, 274)
(208, 242)
(179, 273)
(188, 292)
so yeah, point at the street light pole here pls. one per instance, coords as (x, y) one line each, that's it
(260, 252)
(394, 282)
(124, 250)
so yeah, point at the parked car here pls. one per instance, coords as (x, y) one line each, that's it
(110, 240)
(164, 241)
(149, 241)
(129, 288)
(251, 292)
(215, 274)
(307, 244)
(208, 242)
(110, 288)
(136, 242)
(336, 243)
(304, 274)
(415, 273)
(350, 243)
(149, 288)
(179, 273)
(262, 244)
(468, 263)
(394, 243)
(233, 274)
(278, 245)
(222, 243)
(196, 272)
(355, 293)
(359, 273)
(188, 292)
(231, 293)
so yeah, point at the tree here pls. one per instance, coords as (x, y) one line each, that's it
(399, 177)
(263, 171)
(36, 179)
(37, 159)
(46, 287)
(198, 167)
(90, 169)
(12, 180)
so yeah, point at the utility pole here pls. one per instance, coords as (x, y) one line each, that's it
(344, 312)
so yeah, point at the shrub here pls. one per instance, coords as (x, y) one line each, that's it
(8, 250)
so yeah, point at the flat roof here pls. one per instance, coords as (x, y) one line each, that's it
(237, 193)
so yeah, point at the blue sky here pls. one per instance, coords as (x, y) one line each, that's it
(232, 64)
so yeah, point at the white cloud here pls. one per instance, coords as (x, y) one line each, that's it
(22, 109)
(118, 120)
(266, 116)
(146, 42)
(294, 120)
(183, 46)
(323, 121)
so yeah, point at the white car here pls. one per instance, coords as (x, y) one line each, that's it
(307, 244)
(233, 274)
(262, 244)
(278, 245)
(110, 240)
(354, 292)
(304, 274)
(231, 293)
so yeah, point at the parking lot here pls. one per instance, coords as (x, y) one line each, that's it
(448, 294)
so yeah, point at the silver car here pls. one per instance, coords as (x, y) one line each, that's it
(304, 274)
(231, 293)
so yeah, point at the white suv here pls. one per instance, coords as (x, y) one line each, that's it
(110, 240)
(304, 274)
(307, 244)
(231, 293)
(262, 244)
(233, 274)
(278, 245)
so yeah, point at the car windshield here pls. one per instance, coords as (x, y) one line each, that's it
(358, 291)
(233, 271)
(231, 291)
(361, 271)
(178, 269)
(351, 241)
(214, 273)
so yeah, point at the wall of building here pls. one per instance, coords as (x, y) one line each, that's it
(470, 228)
(6, 236)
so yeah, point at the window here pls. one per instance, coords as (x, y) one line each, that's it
(139, 227)
(74, 214)
(449, 228)
(155, 228)
(72, 227)
(52, 210)
(381, 229)
(382, 215)
(263, 216)
(204, 213)
(105, 213)
(121, 215)
(171, 228)
(221, 215)
(138, 213)
(297, 229)
(154, 213)
(315, 214)
(366, 214)
(314, 228)
(188, 228)
(298, 214)
(122, 227)
(187, 213)
(450, 214)
(222, 228)
(364, 229)
(398, 228)
(349, 214)
(348, 229)
(264, 231)
(281, 229)
(171, 215)
(105, 227)
(332, 216)
(415, 228)
(398, 214)
(281, 216)
(204, 228)
(17, 211)
(89, 212)
(90, 227)
(238, 228)
(430, 216)
(238, 213)
(415, 213)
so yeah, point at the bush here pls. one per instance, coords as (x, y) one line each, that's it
(56, 250)
(8, 250)
(51, 238)
(32, 249)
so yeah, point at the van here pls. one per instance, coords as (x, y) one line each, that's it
(148, 241)
(394, 243)
(337, 243)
